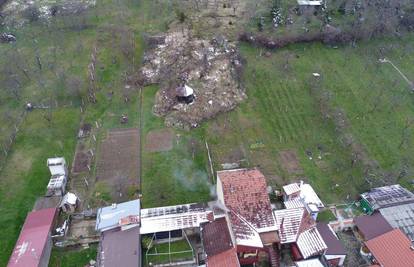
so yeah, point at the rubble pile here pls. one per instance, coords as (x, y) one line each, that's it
(210, 67)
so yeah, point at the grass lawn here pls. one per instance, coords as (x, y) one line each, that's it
(177, 246)
(326, 216)
(72, 258)
(26, 175)
(283, 114)
(175, 176)
(64, 47)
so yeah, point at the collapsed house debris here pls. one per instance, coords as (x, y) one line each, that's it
(185, 67)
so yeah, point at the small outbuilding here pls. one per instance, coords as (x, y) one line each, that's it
(185, 94)
(69, 202)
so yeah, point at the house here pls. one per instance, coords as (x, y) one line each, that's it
(371, 226)
(297, 230)
(392, 249)
(120, 248)
(120, 240)
(34, 245)
(401, 217)
(218, 244)
(335, 253)
(384, 197)
(248, 212)
(301, 194)
(125, 215)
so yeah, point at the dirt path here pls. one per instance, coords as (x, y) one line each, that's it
(410, 83)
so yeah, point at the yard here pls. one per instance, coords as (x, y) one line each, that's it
(169, 252)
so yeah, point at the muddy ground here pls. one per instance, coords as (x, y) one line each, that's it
(159, 140)
(118, 162)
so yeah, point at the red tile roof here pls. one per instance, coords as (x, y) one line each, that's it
(372, 226)
(33, 238)
(216, 237)
(224, 259)
(245, 193)
(392, 249)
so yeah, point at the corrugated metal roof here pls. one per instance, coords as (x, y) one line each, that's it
(172, 218)
(110, 216)
(291, 188)
(309, 263)
(392, 249)
(306, 195)
(310, 243)
(33, 238)
(294, 203)
(288, 222)
(401, 217)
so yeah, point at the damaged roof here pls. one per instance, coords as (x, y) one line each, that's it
(310, 243)
(306, 195)
(392, 249)
(33, 239)
(291, 222)
(216, 237)
(172, 218)
(245, 193)
(288, 222)
(245, 196)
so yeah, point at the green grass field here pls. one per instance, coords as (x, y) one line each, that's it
(283, 113)
(72, 258)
